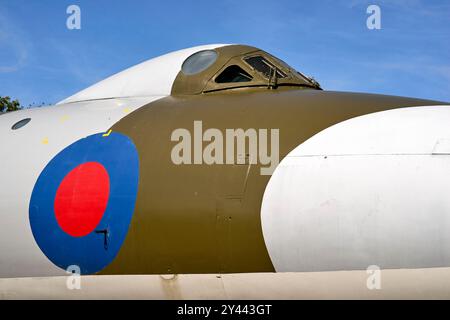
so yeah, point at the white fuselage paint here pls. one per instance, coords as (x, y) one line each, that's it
(152, 77)
(373, 190)
(429, 283)
(25, 152)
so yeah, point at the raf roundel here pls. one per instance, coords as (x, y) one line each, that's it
(83, 201)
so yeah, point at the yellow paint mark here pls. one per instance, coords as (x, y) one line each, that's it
(126, 110)
(107, 134)
(45, 140)
(64, 118)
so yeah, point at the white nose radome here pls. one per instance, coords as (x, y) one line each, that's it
(373, 190)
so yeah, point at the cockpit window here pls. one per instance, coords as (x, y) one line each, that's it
(264, 66)
(301, 75)
(232, 74)
(199, 62)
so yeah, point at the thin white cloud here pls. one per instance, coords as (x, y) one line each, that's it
(75, 61)
(12, 41)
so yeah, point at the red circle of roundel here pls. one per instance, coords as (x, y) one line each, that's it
(81, 199)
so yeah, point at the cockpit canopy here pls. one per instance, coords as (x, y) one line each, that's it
(197, 70)
(236, 66)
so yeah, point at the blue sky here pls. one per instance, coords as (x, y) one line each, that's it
(42, 61)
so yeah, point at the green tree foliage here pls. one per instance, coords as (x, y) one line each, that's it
(7, 105)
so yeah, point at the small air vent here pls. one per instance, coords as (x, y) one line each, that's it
(21, 124)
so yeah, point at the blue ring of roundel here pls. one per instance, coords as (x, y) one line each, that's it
(118, 154)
